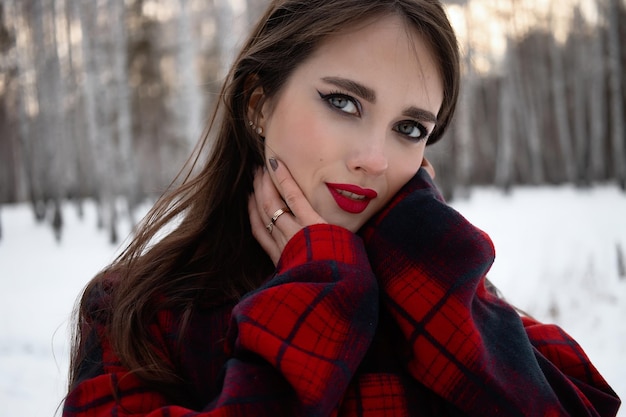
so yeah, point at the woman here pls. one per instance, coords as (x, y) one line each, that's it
(315, 269)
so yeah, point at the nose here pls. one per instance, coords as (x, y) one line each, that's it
(369, 157)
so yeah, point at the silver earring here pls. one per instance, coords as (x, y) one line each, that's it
(258, 130)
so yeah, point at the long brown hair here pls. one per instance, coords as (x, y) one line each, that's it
(211, 254)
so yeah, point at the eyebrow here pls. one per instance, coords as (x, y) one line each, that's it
(368, 94)
(420, 114)
(360, 90)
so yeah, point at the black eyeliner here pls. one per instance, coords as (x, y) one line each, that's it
(339, 94)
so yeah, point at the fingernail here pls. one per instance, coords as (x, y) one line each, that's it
(274, 164)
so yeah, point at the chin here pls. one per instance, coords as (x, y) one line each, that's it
(348, 221)
(351, 226)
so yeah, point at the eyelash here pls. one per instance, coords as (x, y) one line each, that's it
(336, 94)
(424, 134)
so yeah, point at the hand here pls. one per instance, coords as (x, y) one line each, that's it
(267, 199)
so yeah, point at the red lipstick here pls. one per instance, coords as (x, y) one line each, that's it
(351, 198)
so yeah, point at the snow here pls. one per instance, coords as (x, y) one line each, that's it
(557, 259)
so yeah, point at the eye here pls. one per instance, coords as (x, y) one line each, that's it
(342, 102)
(413, 130)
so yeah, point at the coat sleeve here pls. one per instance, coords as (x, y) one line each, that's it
(463, 342)
(294, 343)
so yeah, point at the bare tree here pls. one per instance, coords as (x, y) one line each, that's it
(616, 93)
(226, 38)
(464, 137)
(575, 57)
(14, 18)
(27, 104)
(506, 129)
(81, 182)
(106, 98)
(561, 119)
(528, 70)
(128, 172)
(50, 128)
(190, 108)
(596, 106)
(98, 104)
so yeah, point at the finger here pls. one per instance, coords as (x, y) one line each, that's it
(268, 200)
(428, 167)
(293, 196)
(260, 232)
(258, 205)
(274, 210)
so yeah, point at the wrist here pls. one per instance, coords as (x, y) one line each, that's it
(322, 242)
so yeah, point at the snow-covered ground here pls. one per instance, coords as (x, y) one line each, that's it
(557, 259)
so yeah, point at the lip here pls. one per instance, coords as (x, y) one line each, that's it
(351, 205)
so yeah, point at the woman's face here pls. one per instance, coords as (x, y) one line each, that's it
(351, 122)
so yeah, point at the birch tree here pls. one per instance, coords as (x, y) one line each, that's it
(97, 109)
(531, 92)
(465, 137)
(616, 93)
(128, 173)
(149, 105)
(596, 106)
(27, 107)
(190, 110)
(576, 55)
(561, 120)
(15, 58)
(506, 134)
(77, 156)
(226, 33)
(49, 127)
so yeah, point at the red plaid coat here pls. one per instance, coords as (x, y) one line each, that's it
(394, 322)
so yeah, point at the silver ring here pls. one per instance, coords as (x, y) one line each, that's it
(270, 227)
(279, 213)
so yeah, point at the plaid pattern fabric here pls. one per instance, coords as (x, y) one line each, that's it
(394, 322)
(465, 344)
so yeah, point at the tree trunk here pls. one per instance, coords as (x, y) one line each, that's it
(616, 94)
(578, 57)
(128, 170)
(98, 112)
(75, 116)
(506, 133)
(15, 14)
(49, 132)
(597, 109)
(191, 109)
(225, 23)
(564, 135)
(528, 114)
(464, 136)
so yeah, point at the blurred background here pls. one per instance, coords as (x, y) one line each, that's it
(102, 102)
(104, 99)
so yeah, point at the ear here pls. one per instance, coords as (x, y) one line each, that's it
(256, 102)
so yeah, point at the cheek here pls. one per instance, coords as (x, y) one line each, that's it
(402, 169)
(299, 138)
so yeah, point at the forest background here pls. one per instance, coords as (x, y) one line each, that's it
(105, 99)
